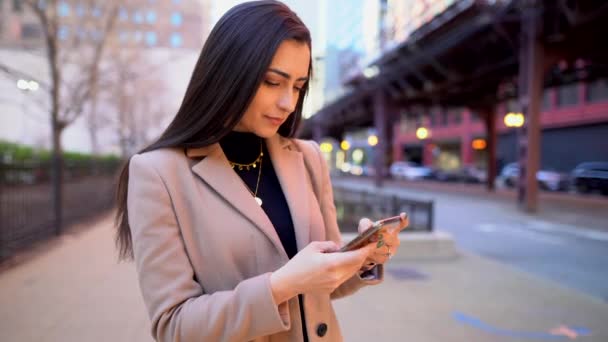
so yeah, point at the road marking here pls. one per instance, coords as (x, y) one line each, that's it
(513, 229)
(580, 232)
(486, 227)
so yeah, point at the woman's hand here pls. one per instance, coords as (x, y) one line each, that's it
(317, 268)
(386, 242)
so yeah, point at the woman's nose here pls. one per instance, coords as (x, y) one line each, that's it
(288, 100)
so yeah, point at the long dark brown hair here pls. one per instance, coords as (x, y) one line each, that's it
(229, 70)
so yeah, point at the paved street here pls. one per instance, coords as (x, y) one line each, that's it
(570, 254)
(73, 290)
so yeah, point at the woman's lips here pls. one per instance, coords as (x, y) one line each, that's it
(274, 121)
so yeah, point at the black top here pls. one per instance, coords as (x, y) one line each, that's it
(244, 148)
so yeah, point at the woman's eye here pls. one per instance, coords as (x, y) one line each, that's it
(270, 83)
(297, 89)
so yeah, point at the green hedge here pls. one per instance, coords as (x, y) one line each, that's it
(17, 153)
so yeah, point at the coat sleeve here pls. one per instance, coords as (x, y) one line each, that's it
(328, 210)
(177, 304)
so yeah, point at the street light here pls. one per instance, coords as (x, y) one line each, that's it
(326, 147)
(372, 140)
(422, 133)
(514, 120)
(345, 145)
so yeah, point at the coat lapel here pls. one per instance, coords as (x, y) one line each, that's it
(215, 170)
(289, 166)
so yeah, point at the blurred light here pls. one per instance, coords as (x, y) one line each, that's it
(28, 85)
(372, 140)
(345, 167)
(422, 133)
(479, 144)
(371, 71)
(326, 147)
(356, 170)
(34, 85)
(345, 145)
(23, 85)
(514, 120)
(358, 155)
(339, 159)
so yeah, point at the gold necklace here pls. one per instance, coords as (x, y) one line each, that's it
(257, 185)
(252, 164)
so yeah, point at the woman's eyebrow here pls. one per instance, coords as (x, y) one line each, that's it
(286, 75)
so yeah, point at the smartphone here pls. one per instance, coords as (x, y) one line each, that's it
(364, 238)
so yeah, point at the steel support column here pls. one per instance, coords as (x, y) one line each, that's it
(384, 132)
(489, 115)
(531, 71)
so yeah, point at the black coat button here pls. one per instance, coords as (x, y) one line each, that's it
(322, 329)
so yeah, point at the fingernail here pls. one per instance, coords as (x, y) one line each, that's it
(380, 244)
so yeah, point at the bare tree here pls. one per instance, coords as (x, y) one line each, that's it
(136, 98)
(74, 44)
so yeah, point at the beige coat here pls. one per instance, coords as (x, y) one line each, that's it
(204, 249)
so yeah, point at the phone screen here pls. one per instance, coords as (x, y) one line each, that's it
(378, 226)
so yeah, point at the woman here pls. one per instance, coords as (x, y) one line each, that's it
(230, 221)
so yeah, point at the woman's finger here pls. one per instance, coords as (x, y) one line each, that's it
(364, 224)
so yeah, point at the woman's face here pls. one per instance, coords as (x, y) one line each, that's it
(278, 94)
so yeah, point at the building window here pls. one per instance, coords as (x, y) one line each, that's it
(177, 2)
(138, 18)
(567, 95)
(151, 38)
(546, 99)
(96, 35)
(80, 10)
(475, 116)
(63, 33)
(137, 36)
(432, 118)
(151, 17)
(31, 31)
(97, 12)
(123, 14)
(17, 6)
(176, 40)
(444, 118)
(457, 116)
(176, 19)
(597, 90)
(63, 9)
(123, 36)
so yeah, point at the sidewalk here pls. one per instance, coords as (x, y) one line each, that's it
(75, 291)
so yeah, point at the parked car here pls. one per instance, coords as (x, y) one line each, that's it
(590, 176)
(447, 175)
(474, 174)
(547, 179)
(410, 171)
(466, 174)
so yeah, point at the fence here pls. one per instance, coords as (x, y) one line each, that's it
(26, 210)
(352, 205)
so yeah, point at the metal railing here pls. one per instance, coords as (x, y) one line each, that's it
(26, 210)
(352, 205)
